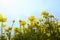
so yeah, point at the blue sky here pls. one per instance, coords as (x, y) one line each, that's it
(21, 9)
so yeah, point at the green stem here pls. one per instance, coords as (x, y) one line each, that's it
(1, 30)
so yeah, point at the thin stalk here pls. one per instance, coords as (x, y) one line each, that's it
(1, 30)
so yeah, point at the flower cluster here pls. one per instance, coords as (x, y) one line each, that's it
(45, 28)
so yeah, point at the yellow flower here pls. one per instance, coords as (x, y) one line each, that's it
(45, 16)
(35, 20)
(35, 24)
(31, 18)
(44, 13)
(3, 25)
(16, 29)
(40, 19)
(2, 19)
(1, 16)
(10, 28)
(22, 22)
(6, 29)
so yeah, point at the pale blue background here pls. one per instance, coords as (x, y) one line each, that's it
(21, 9)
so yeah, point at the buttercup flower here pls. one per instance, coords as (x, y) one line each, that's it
(2, 19)
(16, 29)
(45, 16)
(1, 16)
(48, 29)
(45, 13)
(22, 22)
(40, 19)
(31, 18)
(34, 23)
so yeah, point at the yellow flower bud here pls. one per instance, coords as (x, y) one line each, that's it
(10, 28)
(1, 17)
